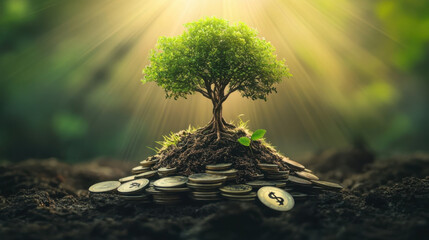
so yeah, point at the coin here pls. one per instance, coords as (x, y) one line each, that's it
(143, 196)
(102, 187)
(329, 185)
(148, 163)
(206, 178)
(176, 181)
(205, 193)
(236, 189)
(280, 184)
(276, 177)
(258, 176)
(153, 191)
(220, 166)
(307, 175)
(134, 186)
(173, 189)
(267, 166)
(126, 179)
(248, 195)
(226, 172)
(204, 186)
(205, 198)
(276, 198)
(260, 183)
(140, 169)
(308, 170)
(146, 174)
(164, 169)
(293, 164)
(298, 181)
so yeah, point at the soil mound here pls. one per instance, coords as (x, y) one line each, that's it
(196, 149)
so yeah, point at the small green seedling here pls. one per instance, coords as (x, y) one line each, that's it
(246, 141)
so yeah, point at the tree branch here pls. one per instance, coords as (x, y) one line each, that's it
(204, 93)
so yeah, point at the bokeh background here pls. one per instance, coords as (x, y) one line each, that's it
(70, 75)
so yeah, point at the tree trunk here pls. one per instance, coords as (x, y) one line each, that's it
(218, 125)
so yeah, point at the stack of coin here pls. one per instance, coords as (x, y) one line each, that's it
(238, 192)
(169, 190)
(165, 171)
(222, 169)
(272, 171)
(134, 190)
(205, 186)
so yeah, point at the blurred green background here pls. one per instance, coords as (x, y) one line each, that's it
(70, 76)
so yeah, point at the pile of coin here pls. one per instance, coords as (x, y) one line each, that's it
(205, 186)
(238, 192)
(222, 169)
(275, 188)
(272, 171)
(169, 190)
(165, 171)
(134, 190)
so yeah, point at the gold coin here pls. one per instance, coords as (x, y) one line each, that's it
(167, 170)
(135, 197)
(140, 169)
(268, 166)
(249, 195)
(308, 170)
(171, 189)
(133, 186)
(103, 187)
(326, 184)
(307, 175)
(146, 174)
(299, 181)
(206, 178)
(204, 185)
(148, 163)
(276, 198)
(175, 181)
(237, 189)
(260, 183)
(220, 166)
(126, 179)
(225, 173)
(293, 164)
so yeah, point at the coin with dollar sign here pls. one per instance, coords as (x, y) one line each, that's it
(276, 198)
(133, 187)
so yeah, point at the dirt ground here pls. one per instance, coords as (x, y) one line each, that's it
(383, 199)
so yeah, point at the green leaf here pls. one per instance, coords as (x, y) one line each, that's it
(258, 134)
(245, 141)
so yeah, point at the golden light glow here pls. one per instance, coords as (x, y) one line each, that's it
(320, 40)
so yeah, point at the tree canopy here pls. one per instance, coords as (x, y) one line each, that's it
(215, 58)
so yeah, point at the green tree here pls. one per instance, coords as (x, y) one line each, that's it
(215, 58)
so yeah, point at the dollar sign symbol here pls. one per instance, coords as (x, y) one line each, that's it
(280, 200)
(134, 184)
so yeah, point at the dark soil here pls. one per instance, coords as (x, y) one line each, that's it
(383, 199)
(196, 150)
